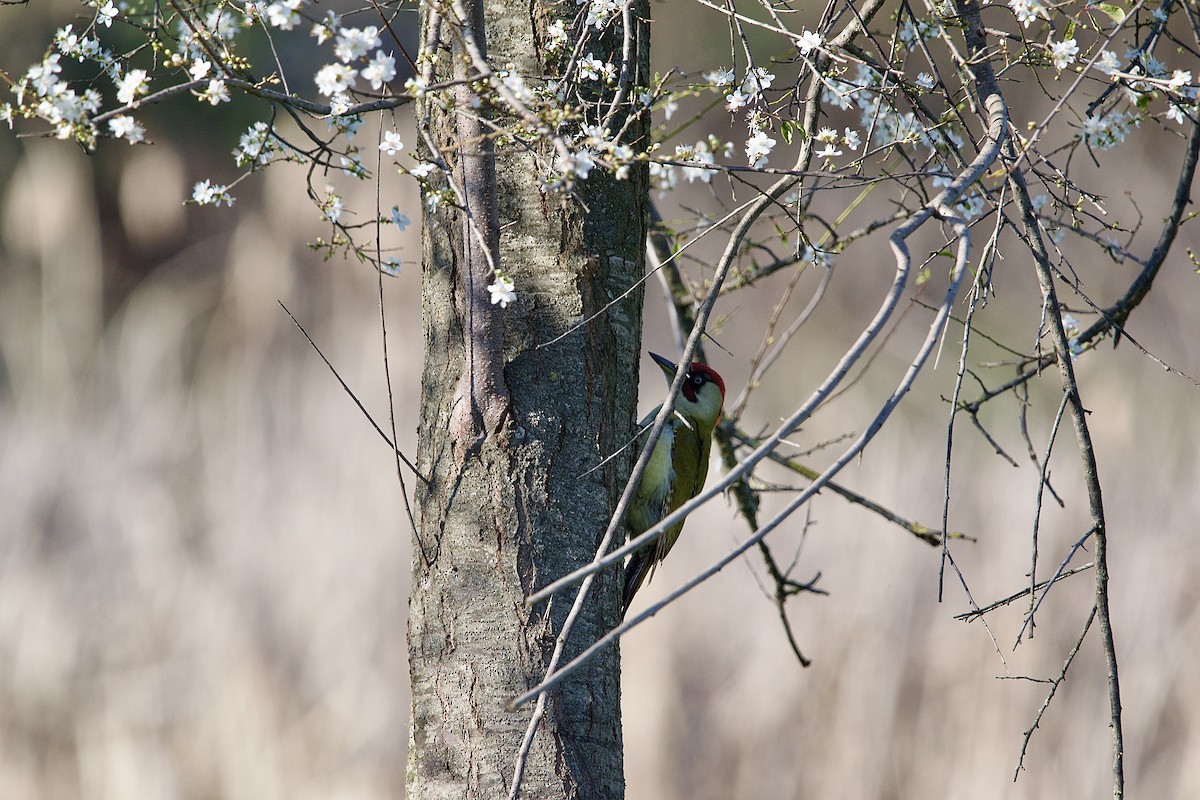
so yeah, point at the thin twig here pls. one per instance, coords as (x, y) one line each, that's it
(1091, 477)
(1043, 480)
(976, 613)
(998, 117)
(1054, 684)
(924, 533)
(383, 337)
(1036, 603)
(354, 397)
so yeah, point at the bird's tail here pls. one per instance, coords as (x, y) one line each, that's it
(635, 573)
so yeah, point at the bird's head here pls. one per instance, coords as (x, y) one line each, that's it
(703, 391)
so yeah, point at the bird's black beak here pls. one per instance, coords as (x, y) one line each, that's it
(666, 364)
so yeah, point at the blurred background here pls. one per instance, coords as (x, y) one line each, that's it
(204, 555)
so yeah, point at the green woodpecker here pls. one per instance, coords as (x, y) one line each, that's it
(677, 467)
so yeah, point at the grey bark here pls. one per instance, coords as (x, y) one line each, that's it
(507, 444)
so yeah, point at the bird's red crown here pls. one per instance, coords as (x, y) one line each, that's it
(709, 373)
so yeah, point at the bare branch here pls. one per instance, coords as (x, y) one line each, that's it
(1054, 684)
(1087, 456)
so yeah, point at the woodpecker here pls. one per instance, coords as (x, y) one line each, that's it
(677, 467)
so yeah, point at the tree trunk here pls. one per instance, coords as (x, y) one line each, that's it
(510, 433)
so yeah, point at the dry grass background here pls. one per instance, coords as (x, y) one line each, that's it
(204, 560)
(203, 565)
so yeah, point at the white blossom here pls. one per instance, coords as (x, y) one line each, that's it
(719, 77)
(222, 23)
(622, 154)
(757, 81)
(758, 147)
(576, 165)
(65, 40)
(421, 171)
(380, 70)
(593, 135)
(324, 29)
(199, 69)
(334, 78)
(44, 76)
(599, 11)
(415, 86)
(1108, 63)
(332, 206)
(700, 153)
(736, 99)
(257, 146)
(516, 84)
(355, 43)
(556, 36)
(401, 221)
(206, 193)
(663, 176)
(1063, 53)
(1179, 79)
(80, 47)
(590, 67)
(391, 143)
(807, 42)
(502, 291)
(1106, 131)
(131, 86)
(217, 92)
(839, 93)
(284, 15)
(107, 14)
(1028, 10)
(126, 127)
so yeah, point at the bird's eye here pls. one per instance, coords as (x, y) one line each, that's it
(697, 380)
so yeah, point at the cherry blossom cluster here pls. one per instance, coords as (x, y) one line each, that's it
(893, 106)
